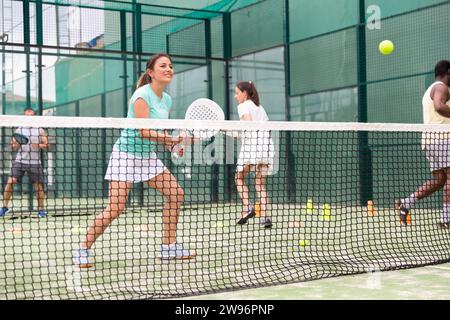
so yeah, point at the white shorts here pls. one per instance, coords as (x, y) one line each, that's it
(438, 155)
(256, 151)
(128, 167)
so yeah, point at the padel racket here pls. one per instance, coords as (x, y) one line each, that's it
(20, 138)
(207, 110)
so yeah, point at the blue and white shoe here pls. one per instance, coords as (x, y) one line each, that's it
(42, 214)
(403, 213)
(81, 258)
(443, 223)
(266, 222)
(3, 211)
(176, 251)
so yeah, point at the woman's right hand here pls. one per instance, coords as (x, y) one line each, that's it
(178, 150)
(187, 140)
(176, 140)
(182, 138)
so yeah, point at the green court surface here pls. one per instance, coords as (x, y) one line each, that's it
(36, 256)
(425, 283)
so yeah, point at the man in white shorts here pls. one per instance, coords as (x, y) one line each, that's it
(436, 110)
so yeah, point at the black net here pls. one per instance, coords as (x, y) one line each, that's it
(254, 205)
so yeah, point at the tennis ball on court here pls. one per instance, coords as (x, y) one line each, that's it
(219, 224)
(303, 243)
(76, 230)
(16, 230)
(386, 47)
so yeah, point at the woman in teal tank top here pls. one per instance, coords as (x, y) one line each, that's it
(133, 159)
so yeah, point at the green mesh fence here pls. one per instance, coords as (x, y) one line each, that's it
(418, 38)
(309, 19)
(323, 63)
(250, 30)
(324, 58)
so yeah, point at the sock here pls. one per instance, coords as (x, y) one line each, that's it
(409, 202)
(84, 252)
(249, 208)
(446, 215)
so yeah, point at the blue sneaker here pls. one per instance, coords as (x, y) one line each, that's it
(42, 214)
(81, 258)
(176, 251)
(3, 211)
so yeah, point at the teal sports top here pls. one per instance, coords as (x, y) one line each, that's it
(129, 140)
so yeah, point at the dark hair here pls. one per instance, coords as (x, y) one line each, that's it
(29, 109)
(441, 68)
(249, 87)
(145, 78)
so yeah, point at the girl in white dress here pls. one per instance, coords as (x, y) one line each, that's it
(256, 153)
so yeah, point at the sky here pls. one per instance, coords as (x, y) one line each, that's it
(71, 32)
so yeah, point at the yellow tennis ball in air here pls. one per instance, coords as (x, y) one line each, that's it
(386, 47)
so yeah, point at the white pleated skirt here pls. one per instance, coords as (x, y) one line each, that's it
(127, 167)
(257, 148)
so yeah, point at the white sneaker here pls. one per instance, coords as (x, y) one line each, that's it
(81, 258)
(444, 223)
(176, 251)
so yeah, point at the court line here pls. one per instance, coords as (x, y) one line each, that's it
(440, 267)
